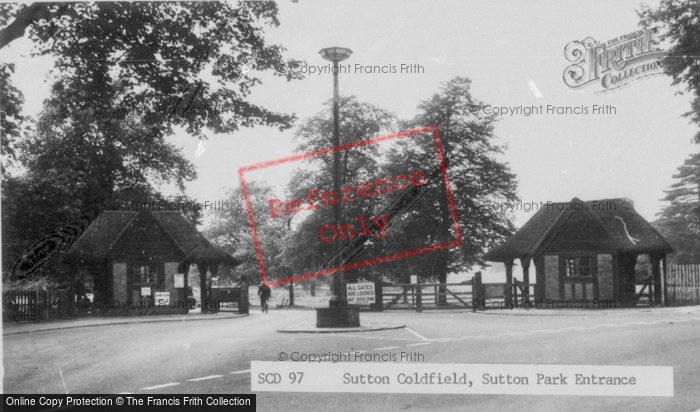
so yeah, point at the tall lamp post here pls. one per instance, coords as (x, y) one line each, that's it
(339, 300)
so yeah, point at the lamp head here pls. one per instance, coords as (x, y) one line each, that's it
(335, 54)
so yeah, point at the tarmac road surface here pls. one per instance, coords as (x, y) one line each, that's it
(214, 357)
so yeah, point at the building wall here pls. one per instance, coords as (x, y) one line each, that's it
(551, 273)
(605, 277)
(121, 292)
(169, 284)
(119, 282)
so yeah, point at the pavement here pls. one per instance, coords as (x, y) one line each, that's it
(162, 358)
(592, 312)
(14, 328)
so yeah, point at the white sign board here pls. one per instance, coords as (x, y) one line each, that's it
(145, 291)
(414, 279)
(360, 293)
(162, 298)
(179, 280)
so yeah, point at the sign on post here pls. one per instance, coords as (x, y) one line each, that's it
(179, 280)
(145, 291)
(414, 279)
(360, 293)
(162, 298)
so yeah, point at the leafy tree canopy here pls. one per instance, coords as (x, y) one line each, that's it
(475, 175)
(11, 118)
(358, 122)
(679, 222)
(230, 230)
(679, 21)
(190, 57)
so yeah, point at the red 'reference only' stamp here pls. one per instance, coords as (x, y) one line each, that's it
(373, 226)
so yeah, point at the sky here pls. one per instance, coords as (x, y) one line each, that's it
(508, 49)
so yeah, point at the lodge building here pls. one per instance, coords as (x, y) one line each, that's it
(584, 252)
(141, 260)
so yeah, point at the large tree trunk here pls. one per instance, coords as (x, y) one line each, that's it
(291, 293)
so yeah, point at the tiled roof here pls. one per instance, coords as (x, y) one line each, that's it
(611, 225)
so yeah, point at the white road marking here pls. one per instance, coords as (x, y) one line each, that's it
(420, 344)
(205, 378)
(416, 333)
(347, 335)
(387, 348)
(165, 385)
(62, 380)
(125, 393)
(238, 372)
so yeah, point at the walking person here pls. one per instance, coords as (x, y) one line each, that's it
(265, 294)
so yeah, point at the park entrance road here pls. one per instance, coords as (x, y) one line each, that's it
(214, 356)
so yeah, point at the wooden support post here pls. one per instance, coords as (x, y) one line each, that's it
(664, 279)
(655, 294)
(214, 297)
(203, 297)
(509, 281)
(525, 263)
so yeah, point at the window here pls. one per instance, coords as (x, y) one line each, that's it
(578, 267)
(144, 274)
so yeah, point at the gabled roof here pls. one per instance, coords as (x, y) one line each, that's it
(104, 233)
(610, 225)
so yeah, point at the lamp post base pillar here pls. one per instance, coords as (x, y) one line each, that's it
(338, 317)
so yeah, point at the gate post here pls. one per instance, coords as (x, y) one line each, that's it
(243, 306)
(479, 292)
(378, 305)
(419, 298)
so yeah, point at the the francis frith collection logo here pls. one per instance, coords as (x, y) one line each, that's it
(615, 63)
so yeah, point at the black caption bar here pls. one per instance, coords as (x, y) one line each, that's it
(128, 403)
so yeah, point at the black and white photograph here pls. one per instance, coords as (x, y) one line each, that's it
(306, 205)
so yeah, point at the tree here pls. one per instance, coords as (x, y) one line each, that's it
(678, 21)
(160, 55)
(11, 118)
(679, 222)
(80, 164)
(127, 75)
(230, 230)
(475, 176)
(358, 122)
